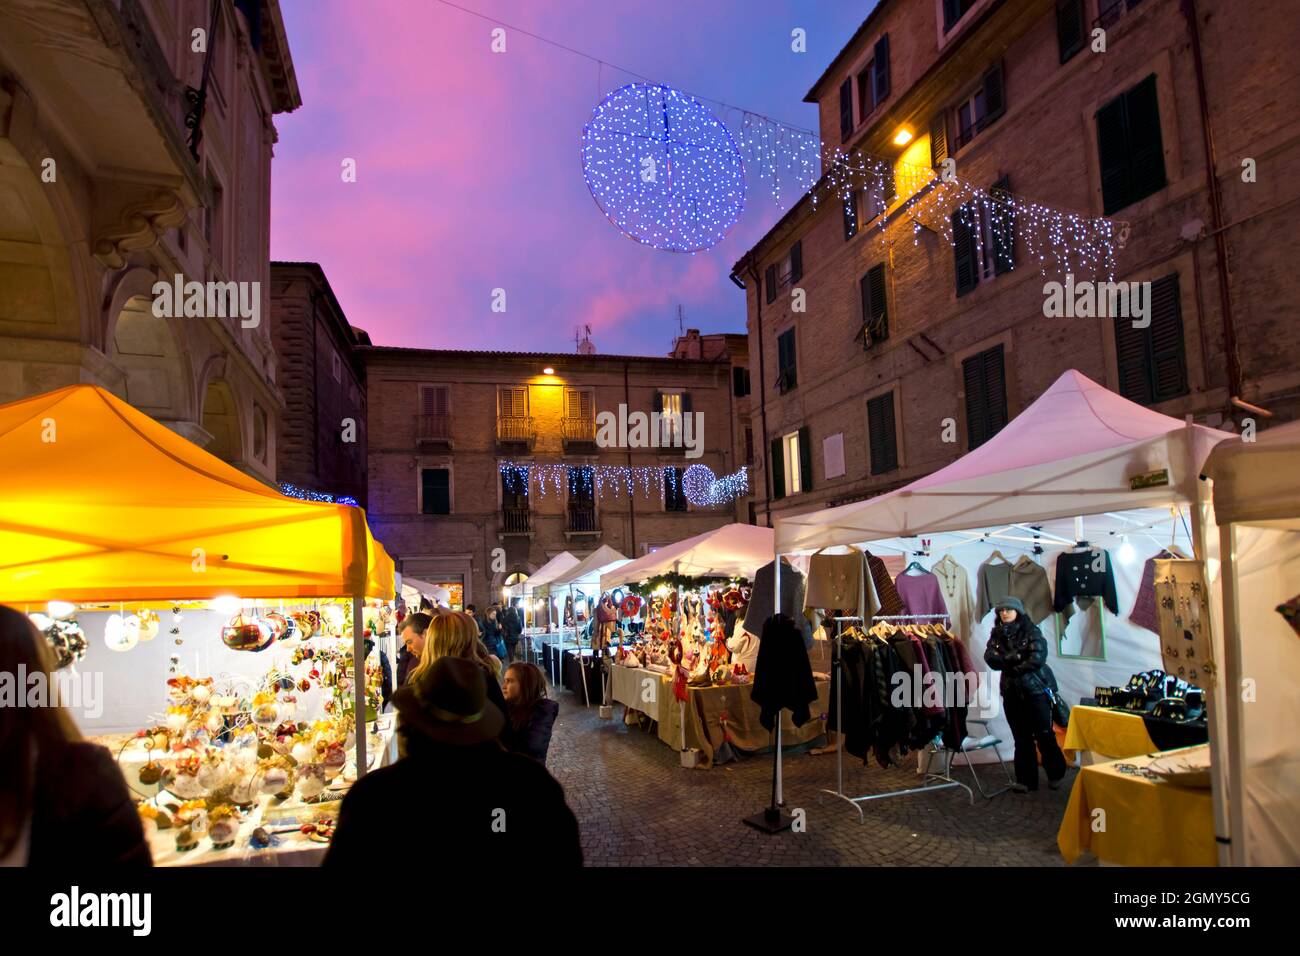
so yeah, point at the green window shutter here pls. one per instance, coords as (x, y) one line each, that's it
(785, 360)
(1168, 352)
(1069, 27)
(965, 261)
(686, 403)
(1131, 359)
(796, 261)
(938, 139)
(1145, 144)
(875, 306)
(883, 435)
(880, 70)
(769, 281)
(776, 465)
(436, 491)
(1003, 228)
(805, 460)
(1113, 155)
(995, 98)
(984, 382)
(846, 109)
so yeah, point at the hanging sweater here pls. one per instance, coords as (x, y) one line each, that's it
(886, 594)
(761, 605)
(1078, 578)
(954, 585)
(1026, 580)
(920, 593)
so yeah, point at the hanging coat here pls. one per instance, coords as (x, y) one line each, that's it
(783, 677)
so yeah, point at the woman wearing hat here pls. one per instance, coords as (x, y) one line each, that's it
(1018, 649)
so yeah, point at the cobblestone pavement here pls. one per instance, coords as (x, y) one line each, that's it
(637, 806)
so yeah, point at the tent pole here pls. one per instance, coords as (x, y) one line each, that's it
(776, 609)
(359, 680)
(1230, 787)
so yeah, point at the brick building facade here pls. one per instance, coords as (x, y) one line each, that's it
(441, 423)
(321, 444)
(914, 348)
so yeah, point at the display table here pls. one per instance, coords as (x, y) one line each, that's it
(1106, 734)
(286, 849)
(1146, 823)
(651, 693)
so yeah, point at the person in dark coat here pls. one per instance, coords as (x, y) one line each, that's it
(783, 677)
(530, 716)
(512, 627)
(62, 799)
(471, 803)
(414, 629)
(493, 635)
(1018, 649)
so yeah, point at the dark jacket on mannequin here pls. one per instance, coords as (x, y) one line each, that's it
(783, 677)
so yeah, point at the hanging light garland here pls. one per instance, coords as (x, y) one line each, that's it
(698, 483)
(293, 491)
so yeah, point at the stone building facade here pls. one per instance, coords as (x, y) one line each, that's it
(914, 346)
(321, 442)
(442, 423)
(101, 197)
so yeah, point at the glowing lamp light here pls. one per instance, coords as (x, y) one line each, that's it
(903, 136)
(60, 609)
(122, 633)
(1127, 553)
(548, 371)
(227, 604)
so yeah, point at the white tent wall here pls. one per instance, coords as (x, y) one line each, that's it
(1267, 574)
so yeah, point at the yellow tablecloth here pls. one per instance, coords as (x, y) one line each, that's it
(1110, 732)
(651, 693)
(1144, 823)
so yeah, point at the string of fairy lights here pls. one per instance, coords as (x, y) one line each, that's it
(697, 483)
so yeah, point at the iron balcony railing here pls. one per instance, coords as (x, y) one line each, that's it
(580, 429)
(582, 518)
(515, 429)
(516, 520)
(433, 427)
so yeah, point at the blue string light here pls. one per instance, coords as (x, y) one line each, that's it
(697, 483)
(662, 168)
(293, 491)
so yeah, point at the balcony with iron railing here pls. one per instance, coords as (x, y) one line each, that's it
(579, 431)
(433, 429)
(516, 520)
(515, 430)
(582, 519)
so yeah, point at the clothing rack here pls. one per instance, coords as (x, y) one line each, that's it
(945, 780)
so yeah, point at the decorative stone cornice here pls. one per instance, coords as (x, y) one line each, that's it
(137, 226)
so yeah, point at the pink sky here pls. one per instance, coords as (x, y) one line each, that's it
(468, 165)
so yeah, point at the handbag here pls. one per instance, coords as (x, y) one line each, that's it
(1060, 709)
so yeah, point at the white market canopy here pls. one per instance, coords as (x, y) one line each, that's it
(544, 575)
(1071, 452)
(585, 575)
(1258, 481)
(434, 592)
(734, 550)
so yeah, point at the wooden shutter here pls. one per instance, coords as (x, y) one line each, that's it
(514, 402)
(995, 101)
(850, 215)
(875, 306)
(1168, 354)
(686, 403)
(1069, 27)
(1113, 156)
(846, 109)
(796, 261)
(433, 400)
(578, 404)
(888, 187)
(1145, 144)
(658, 405)
(776, 465)
(436, 491)
(1002, 226)
(769, 280)
(938, 139)
(965, 261)
(1131, 360)
(805, 461)
(738, 381)
(880, 70)
(984, 381)
(883, 435)
(786, 364)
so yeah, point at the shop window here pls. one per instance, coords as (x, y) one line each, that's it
(984, 381)
(787, 377)
(1152, 361)
(1130, 149)
(882, 430)
(435, 491)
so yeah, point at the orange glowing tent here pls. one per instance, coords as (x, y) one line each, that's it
(99, 502)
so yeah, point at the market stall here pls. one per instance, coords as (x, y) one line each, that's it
(1071, 488)
(160, 531)
(1257, 508)
(581, 583)
(537, 596)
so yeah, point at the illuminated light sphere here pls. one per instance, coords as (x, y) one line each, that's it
(697, 480)
(122, 633)
(662, 168)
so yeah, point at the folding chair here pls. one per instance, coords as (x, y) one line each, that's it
(970, 744)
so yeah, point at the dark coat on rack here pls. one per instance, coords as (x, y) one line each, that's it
(783, 677)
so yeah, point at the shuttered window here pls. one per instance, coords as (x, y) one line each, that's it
(1130, 149)
(1002, 228)
(579, 403)
(787, 373)
(875, 307)
(883, 434)
(769, 283)
(938, 140)
(739, 381)
(846, 109)
(1153, 361)
(435, 491)
(796, 261)
(434, 400)
(513, 402)
(582, 485)
(805, 460)
(965, 223)
(880, 70)
(1069, 27)
(984, 381)
(776, 467)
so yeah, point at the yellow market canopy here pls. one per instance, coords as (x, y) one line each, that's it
(99, 502)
